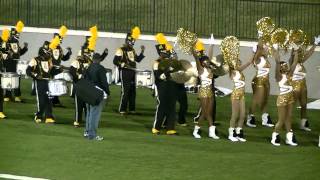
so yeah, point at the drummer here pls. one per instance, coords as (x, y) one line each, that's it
(15, 51)
(57, 57)
(39, 69)
(3, 56)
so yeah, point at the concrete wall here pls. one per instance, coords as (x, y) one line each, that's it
(35, 40)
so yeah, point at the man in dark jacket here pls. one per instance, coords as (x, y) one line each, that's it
(96, 73)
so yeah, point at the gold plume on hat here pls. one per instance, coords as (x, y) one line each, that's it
(92, 43)
(19, 26)
(230, 49)
(199, 46)
(280, 36)
(5, 35)
(63, 31)
(54, 43)
(135, 32)
(161, 39)
(94, 31)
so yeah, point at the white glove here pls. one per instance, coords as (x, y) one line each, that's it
(171, 69)
(122, 65)
(211, 40)
(79, 76)
(275, 46)
(317, 40)
(4, 56)
(260, 33)
(163, 76)
(254, 48)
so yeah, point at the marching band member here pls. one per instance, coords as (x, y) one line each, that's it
(166, 88)
(299, 82)
(15, 51)
(126, 59)
(3, 56)
(57, 57)
(205, 92)
(285, 99)
(230, 50)
(40, 70)
(260, 87)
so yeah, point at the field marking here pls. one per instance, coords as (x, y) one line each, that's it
(10, 176)
(121, 35)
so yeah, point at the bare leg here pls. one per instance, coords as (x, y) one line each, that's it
(235, 112)
(282, 112)
(242, 112)
(288, 120)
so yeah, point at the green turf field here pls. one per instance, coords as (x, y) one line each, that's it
(130, 151)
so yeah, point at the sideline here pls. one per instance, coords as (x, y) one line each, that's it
(10, 176)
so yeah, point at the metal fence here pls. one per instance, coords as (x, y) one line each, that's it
(220, 17)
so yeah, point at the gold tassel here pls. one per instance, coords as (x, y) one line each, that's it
(135, 32)
(161, 39)
(54, 43)
(168, 47)
(19, 26)
(63, 31)
(5, 35)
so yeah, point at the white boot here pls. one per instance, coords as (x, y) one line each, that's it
(212, 132)
(240, 135)
(251, 121)
(231, 136)
(196, 132)
(304, 125)
(266, 121)
(290, 140)
(319, 142)
(275, 140)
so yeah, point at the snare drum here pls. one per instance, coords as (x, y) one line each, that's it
(63, 76)
(109, 75)
(10, 80)
(144, 78)
(22, 67)
(57, 87)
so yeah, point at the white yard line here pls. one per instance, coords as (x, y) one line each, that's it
(120, 35)
(10, 176)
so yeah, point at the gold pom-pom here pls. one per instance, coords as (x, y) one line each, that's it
(265, 25)
(63, 31)
(230, 49)
(296, 37)
(280, 36)
(54, 43)
(92, 43)
(169, 47)
(199, 46)
(94, 31)
(19, 26)
(186, 40)
(135, 32)
(5, 35)
(161, 39)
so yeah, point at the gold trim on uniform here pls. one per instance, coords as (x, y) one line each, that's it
(299, 85)
(205, 92)
(258, 82)
(285, 99)
(237, 94)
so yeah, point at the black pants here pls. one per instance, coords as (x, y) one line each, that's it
(55, 100)
(128, 90)
(183, 103)
(167, 94)
(11, 66)
(44, 104)
(80, 107)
